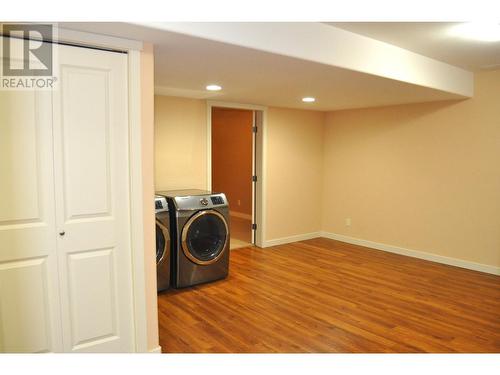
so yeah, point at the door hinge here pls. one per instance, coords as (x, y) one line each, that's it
(254, 178)
(254, 129)
(254, 226)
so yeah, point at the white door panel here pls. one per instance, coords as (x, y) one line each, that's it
(91, 153)
(29, 300)
(24, 306)
(91, 306)
(19, 148)
(86, 131)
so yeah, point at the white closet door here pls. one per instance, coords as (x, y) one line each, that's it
(29, 305)
(92, 195)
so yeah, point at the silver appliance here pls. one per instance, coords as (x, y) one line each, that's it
(163, 244)
(200, 236)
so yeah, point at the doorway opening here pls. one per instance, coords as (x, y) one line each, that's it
(233, 155)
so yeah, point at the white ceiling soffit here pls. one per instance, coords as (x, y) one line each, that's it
(432, 39)
(279, 64)
(335, 47)
(185, 65)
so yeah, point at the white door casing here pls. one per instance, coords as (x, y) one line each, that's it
(64, 167)
(259, 160)
(92, 200)
(259, 213)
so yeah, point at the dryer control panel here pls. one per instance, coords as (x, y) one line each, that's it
(160, 204)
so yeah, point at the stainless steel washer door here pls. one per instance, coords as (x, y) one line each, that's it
(204, 237)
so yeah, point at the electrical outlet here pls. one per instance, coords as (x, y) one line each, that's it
(239, 202)
(348, 222)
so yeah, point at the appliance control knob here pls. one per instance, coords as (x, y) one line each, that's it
(204, 202)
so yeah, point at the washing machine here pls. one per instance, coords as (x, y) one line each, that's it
(163, 243)
(200, 236)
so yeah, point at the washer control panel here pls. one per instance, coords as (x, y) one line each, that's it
(217, 199)
(194, 202)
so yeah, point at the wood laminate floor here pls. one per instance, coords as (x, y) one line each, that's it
(241, 232)
(322, 295)
(241, 229)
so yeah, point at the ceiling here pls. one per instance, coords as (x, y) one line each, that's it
(185, 64)
(431, 39)
(257, 77)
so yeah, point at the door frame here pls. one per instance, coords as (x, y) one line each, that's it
(137, 205)
(259, 164)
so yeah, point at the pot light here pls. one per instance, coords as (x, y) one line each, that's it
(213, 88)
(308, 99)
(482, 31)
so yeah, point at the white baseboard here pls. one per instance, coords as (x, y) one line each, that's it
(285, 240)
(156, 350)
(414, 253)
(241, 215)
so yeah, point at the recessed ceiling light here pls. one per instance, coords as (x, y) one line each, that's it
(213, 88)
(482, 31)
(308, 99)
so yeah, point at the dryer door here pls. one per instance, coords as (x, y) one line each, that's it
(204, 237)
(162, 241)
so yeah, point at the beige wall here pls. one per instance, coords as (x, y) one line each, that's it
(424, 176)
(147, 121)
(180, 143)
(294, 165)
(294, 172)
